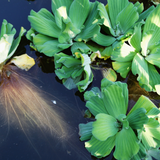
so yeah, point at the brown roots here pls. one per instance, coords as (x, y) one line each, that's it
(23, 104)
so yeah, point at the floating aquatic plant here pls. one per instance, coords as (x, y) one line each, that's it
(113, 127)
(74, 70)
(71, 20)
(141, 53)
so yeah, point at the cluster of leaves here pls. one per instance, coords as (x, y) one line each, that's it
(132, 134)
(140, 53)
(8, 46)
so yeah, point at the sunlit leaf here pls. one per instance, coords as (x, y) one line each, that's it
(77, 9)
(23, 62)
(140, 67)
(126, 144)
(114, 100)
(143, 102)
(137, 118)
(104, 127)
(100, 148)
(96, 105)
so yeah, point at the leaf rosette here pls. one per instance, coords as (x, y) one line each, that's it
(142, 54)
(113, 127)
(71, 21)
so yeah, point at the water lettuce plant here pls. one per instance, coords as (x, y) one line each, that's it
(114, 127)
(115, 24)
(52, 33)
(141, 53)
(74, 70)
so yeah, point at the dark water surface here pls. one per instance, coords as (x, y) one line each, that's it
(14, 145)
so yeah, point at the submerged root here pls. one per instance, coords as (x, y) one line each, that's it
(25, 105)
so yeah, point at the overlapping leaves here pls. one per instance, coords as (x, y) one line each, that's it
(113, 126)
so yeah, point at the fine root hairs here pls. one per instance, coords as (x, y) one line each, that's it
(25, 105)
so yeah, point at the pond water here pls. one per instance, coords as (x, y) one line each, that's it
(41, 145)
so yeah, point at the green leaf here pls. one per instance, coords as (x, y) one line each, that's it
(140, 67)
(105, 83)
(122, 67)
(122, 52)
(46, 45)
(80, 47)
(114, 100)
(104, 127)
(135, 40)
(154, 58)
(104, 15)
(44, 26)
(85, 131)
(110, 74)
(153, 112)
(102, 39)
(16, 42)
(115, 7)
(77, 9)
(148, 141)
(98, 148)
(154, 153)
(145, 14)
(59, 3)
(152, 124)
(126, 144)
(153, 23)
(137, 118)
(96, 105)
(92, 93)
(143, 102)
(131, 16)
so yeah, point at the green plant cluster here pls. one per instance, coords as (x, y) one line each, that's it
(86, 30)
(133, 133)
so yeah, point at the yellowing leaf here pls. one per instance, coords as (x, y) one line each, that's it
(23, 62)
(109, 74)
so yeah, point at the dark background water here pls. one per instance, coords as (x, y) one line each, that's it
(14, 145)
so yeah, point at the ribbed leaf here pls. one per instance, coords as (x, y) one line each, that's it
(43, 25)
(126, 144)
(153, 112)
(46, 45)
(143, 102)
(96, 106)
(114, 100)
(77, 9)
(85, 131)
(152, 124)
(122, 52)
(148, 141)
(115, 7)
(140, 67)
(105, 83)
(137, 118)
(153, 21)
(92, 93)
(104, 127)
(98, 148)
(104, 15)
(58, 3)
(131, 16)
(16, 42)
(154, 58)
(135, 40)
(103, 40)
(80, 47)
(122, 67)
(154, 80)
